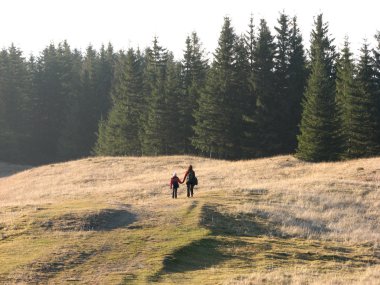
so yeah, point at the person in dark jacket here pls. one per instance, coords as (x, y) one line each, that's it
(174, 184)
(190, 182)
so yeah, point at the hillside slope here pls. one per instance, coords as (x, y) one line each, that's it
(269, 221)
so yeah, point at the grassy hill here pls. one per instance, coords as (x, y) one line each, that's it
(269, 221)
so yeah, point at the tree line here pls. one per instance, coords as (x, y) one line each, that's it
(262, 94)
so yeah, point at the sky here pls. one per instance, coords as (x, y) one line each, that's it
(31, 25)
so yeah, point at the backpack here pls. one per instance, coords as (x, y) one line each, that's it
(191, 178)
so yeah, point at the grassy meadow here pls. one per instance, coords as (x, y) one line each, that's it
(110, 220)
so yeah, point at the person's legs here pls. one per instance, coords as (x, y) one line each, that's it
(188, 189)
(175, 193)
(191, 190)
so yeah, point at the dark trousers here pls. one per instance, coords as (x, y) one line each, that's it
(174, 195)
(190, 189)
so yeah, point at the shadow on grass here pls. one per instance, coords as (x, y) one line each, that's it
(241, 224)
(200, 254)
(105, 220)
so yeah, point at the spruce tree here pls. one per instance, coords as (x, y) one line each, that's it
(376, 52)
(248, 117)
(297, 79)
(290, 79)
(15, 89)
(119, 134)
(155, 133)
(177, 130)
(51, 100)
(366, 109)
(266, 138)
(218, 118)
(319, 124)
(245, 101)
(194, 69)
(348, 110)
(282, 84)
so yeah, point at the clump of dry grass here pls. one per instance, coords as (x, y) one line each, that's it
(330, 201)
(257, 204)
(304, 275)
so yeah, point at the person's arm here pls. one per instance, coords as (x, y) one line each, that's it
(183, 180)
(171, 183)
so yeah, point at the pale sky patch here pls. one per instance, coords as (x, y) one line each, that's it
(33, 24)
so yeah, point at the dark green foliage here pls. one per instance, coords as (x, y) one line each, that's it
(15, 86)
(50, 101)
(347, 98)
(58, 105)
(290, 81)
(156, 122)
(91, 82)
(194, 70)
(218, 119)
(365, 109)
(319, 125)
(298, 74)
(119, 134)
(266, 138)
(376, 52)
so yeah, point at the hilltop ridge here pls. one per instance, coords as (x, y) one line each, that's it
(111, 220)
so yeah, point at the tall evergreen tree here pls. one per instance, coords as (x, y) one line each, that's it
(297, 79)
(376, 52)
(249, 148)
(282, 84)
(245, 101)
(119, 134)
(290, 80)
(156, 119)
(266, 137)
(51, 99)
(175, 144)
(318, 138)
(218, 118)
(194, 69)
(346, 92)
(15, 89)
(366, 108)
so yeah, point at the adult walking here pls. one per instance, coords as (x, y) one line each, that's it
(191, 181)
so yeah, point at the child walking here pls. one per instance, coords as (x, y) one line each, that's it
(174, 184)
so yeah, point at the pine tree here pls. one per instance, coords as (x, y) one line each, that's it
(51, 99)
(194, 70)
(318, 132)
(366, 108)
(245, 100)
(347, 99)
(118, 135)
(282, 96)
(15, 88)
(290, 80)
(297, 79)
(155, 121)
(376, 52)
(249, 148)
(218, 128)
(266, 138)
(175, 143)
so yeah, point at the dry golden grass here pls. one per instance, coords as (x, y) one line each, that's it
(267, 221)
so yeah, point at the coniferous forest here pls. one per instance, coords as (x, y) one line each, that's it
(262, 93)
